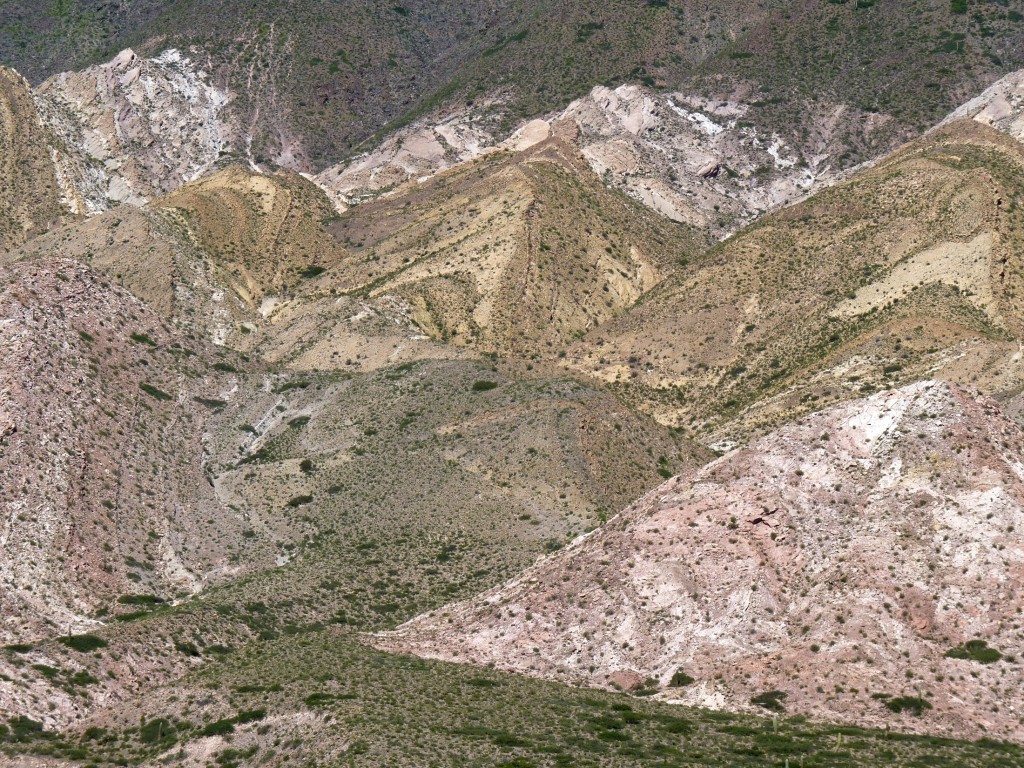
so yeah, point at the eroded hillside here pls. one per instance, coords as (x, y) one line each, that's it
(859, 565)
(140, 127)
(907, 270)
(248, 416)
(30, 197)
(511, 254)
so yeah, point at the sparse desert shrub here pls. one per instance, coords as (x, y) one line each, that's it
(771, 700)
(219, 727)
(189, 649)
(648, 688)
(139, 600)
(677, 725)
(913, 704)
(250, 716)
(142, 338)
(152, 391)
(483, 386)
(975, 650)
(21, 729)
(321, 699)
(158, 731)
(132, 616)
(83, 643)
(680, 678)
(211, 402)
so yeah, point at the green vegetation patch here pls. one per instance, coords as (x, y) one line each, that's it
(83, 643)
(680, 679)
(211, 403)
(771, 700)
(140, 600)
(975, 650)
(915, 705)
(152, 391)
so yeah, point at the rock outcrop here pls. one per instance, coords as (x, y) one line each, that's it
(908, 270)
(1001, 106)
(139, 127)
(692, 160)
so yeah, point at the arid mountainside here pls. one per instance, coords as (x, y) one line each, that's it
(262, 490)
(1001, 106)
(83, 142)
(380, 492)
(140, 127)
(862, 554)
(693, 159)
(907, 269)
(199, 254)
(358, 500)
(515, 254)
(30, 197)
(321, 467)
(696, 160)
(101, 419)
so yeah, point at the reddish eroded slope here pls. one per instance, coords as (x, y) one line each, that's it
(102, 409)
(836, 560)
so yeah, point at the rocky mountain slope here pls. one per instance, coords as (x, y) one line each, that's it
(694, 160)
(219, 472)
(141, 127)
(319, 696)
(247, 420)
(30, 196)
(101, 421)
(907, 270)
(513, 253)
(199, 255)
(332, 499)
(121, 132)
(1001, 106)
(769, 578)
(314, 84)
